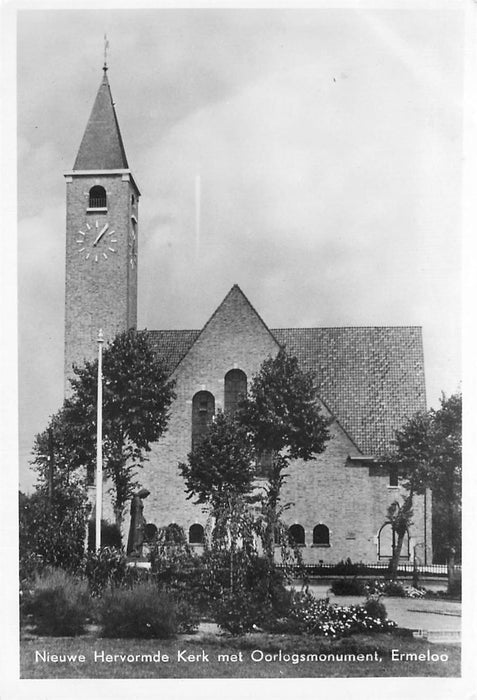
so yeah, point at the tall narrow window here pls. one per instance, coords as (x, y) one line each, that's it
(321, 536)
(393, 476)
(235, 390)
(203, 409)
(97, 197)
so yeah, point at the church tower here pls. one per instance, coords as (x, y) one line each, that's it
(101, 236)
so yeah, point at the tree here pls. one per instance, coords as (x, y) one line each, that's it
(399, 515)
(219, 472)
(136, 400)
(428, 452)
(53, 529)
(221, 465)
(283, 417)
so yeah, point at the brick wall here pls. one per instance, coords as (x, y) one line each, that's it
(98, 294)
(348, 497)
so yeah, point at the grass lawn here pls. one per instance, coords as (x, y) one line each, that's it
(250, 656)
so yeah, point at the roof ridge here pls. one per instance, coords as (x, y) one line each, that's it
(337, 328)
(214, 314)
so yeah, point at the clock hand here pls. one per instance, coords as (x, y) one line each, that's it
(101, 233)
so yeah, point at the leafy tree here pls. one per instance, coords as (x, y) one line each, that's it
(221, 466)
(428, 452)
(219, 473)
(283, 417)
(136, 400)
(52, 529)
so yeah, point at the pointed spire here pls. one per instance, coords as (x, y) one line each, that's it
(102, 146)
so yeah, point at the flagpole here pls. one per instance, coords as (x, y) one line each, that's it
(99, 442)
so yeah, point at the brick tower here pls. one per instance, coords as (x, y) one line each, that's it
(101, 236)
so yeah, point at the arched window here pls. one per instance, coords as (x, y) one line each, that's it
(321, 535)
(196, 534)
(387, 541)
(235, 390)
(174, 534)
(296, 535)
(97, 197)
(203, 410)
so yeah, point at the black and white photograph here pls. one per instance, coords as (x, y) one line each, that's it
(239, 320)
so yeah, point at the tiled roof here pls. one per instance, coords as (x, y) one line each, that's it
(370, 378)
(171, 346)
(102, 146)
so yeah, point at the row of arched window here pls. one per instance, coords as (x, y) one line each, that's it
(296, 535)
(321, 535)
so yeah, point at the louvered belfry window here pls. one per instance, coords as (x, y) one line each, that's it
(97, 197)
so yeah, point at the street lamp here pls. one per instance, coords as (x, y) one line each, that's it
(99, 442)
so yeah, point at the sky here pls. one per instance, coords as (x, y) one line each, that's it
(328, 145)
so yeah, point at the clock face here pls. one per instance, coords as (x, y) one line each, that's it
(96, 241)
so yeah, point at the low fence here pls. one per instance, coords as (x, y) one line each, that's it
(376, 569)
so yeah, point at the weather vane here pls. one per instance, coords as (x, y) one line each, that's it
(106, 47)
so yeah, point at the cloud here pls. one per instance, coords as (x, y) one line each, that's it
(328, 149)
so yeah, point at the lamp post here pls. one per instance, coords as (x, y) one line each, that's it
(99, 442)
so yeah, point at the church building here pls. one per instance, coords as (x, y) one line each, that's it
(369, 379)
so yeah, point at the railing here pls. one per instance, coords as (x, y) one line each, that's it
(375, 568)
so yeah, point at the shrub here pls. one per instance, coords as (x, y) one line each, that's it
(375, 609)
(268, 583)
(143, 612)
(178, 570)
(348, 568)
(259, 597)
(239, 612)
(320, 618)
(58, 603)
(187, 616)
(394, 589)
(388, 587)
(107, 567)
(53, 530)
(345, 586)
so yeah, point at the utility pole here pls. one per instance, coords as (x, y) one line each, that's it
(99, 442)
